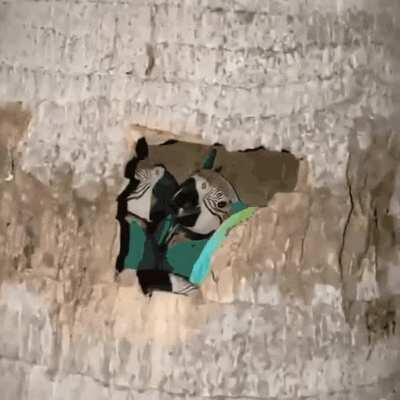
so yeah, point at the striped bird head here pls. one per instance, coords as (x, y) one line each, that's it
(150, 200)
(204, 201)
(150, 175)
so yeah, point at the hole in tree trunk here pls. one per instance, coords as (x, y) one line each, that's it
(256, 175)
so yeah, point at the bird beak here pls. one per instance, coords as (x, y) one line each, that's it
(186, 212)
(177, 194)
(186, 197)
(185, 203)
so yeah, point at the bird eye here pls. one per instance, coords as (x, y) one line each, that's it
(204, 185)
(221, 204)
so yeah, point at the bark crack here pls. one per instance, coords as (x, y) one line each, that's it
(306, 230)
(149, 46)
(344, 235)
(151, 59)
(11, 167)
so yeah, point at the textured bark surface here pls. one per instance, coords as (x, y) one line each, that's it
(279, 73)
(304, 298)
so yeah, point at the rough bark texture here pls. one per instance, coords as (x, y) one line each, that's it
(304, 300)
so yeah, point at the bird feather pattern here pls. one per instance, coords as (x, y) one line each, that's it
(141, 199)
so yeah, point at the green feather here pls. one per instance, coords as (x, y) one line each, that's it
(140, 249)
(208, 163)
(164, 229)
(182, 256)
(203, 264)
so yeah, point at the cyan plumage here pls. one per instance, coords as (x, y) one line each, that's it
(202, 266)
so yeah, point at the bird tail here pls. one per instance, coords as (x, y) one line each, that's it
(181, 285)
(209, 161)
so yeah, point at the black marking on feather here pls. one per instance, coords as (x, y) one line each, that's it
(212, 211)
(138, 194)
